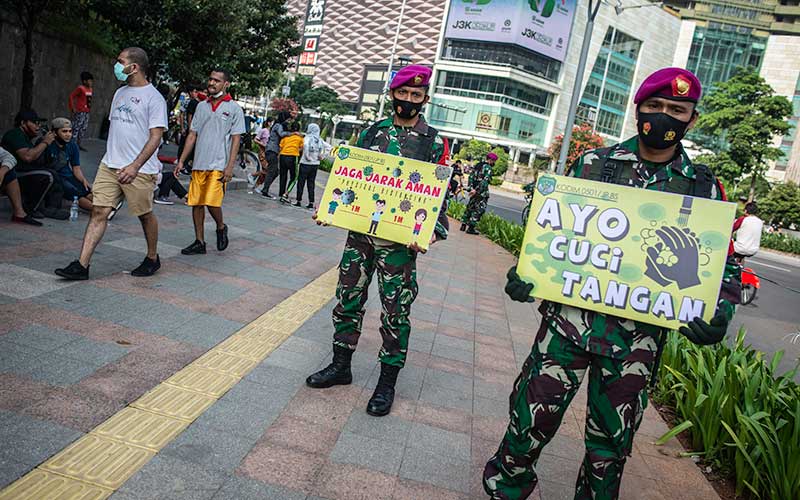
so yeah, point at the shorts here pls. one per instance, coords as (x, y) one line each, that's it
(206, 188)
(72, 188)
(10, 177)
(108, 191)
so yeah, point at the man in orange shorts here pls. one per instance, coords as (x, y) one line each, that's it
(216, 130)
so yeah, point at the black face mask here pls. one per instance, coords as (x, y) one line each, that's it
(406, 109)
(659, 130)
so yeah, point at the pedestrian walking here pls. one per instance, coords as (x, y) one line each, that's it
(619, 355)
(215, 136)
(130, 166)
(291, 146)
(276, 133)
(80, 105)
(314, 150)
(405, 134)
(478, 194)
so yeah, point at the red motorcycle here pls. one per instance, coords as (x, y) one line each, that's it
(750, 284)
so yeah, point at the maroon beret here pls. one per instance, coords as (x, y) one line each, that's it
(413, 75)
(671, 83)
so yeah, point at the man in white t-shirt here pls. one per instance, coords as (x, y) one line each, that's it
(130, 167)
(748, 232)
(216, 129)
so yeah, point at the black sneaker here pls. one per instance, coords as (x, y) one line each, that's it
(115, 209)
(267, 195)
(298, 204)
(222, 239)
(196, 248)
(285, 200)
(310, 206)
(74, 271)
(148, 267)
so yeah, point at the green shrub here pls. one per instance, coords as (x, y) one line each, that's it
(496, 181)
(780, 242)
(506, 234)
(326, 164)
(743, 419)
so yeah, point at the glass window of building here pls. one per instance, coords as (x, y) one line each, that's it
(605, 97)
(717, 50)
(490, 88)
(502, 54)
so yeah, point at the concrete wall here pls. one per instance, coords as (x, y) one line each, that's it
(684, 45)
(656, 28)
(57, 67)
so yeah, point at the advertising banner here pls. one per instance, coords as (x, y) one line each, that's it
(644, 255)
(312, 29)
(390, 197)
(539, 25)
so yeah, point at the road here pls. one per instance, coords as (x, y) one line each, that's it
(772, 319)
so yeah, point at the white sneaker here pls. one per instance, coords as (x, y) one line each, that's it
(163, 200)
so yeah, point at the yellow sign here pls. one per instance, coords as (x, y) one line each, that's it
(390, 197)
(644, 255)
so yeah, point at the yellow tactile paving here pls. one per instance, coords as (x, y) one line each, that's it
(226, 363)
(39, 484)
(203, 380)
(98, 460)
(174, 402)
(141, 428)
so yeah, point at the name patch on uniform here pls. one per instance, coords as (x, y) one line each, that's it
(387, 196)
(638, 254)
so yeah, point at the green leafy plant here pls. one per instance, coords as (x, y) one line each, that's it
(742, 417)
(506, 234)
(780, 242)
(496, 181)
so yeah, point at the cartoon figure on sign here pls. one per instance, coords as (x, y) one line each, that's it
(419, 218)
(376, 216)
(336, 197)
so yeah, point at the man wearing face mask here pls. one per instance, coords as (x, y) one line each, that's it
(619, 355)
(405, 134)
(130, 166)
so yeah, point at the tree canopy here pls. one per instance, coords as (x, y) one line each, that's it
(476, 150)
(782, 205)
(746, 111)
(583, 139)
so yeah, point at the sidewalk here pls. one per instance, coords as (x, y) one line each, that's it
(74, 355)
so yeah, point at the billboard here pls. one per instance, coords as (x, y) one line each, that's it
(542, 26)
(312, 29)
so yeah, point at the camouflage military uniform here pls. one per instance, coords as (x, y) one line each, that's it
(395, 263)
(479, 181)
(621, 354)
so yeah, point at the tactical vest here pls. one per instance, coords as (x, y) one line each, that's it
(605, 169)
(416, 146)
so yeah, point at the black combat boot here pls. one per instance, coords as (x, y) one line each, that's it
(471, 230)
(336, 373)
(380, 403)
(463, 226)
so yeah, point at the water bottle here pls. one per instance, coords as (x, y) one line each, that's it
(73, 211)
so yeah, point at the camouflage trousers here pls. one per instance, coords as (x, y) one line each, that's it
(544, 389)
(396, 267)
(475, 210)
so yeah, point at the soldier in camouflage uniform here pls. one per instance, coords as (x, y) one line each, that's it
(404, 134)
(479, 194)
(619, 355)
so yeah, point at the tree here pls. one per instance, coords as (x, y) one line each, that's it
(746, 111)
(782, 205)
(583, 139)
(283, 104)
(476, 150)
(299, 86)
(316, 96)
(253, 39)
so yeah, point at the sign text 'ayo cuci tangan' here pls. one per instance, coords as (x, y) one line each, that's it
(644, 255)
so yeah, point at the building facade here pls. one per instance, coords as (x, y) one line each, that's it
(518, 97)
(718, 36)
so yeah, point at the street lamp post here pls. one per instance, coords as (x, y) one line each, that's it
(391, 61)
(593, 7)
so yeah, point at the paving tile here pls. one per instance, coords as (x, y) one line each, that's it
(438, 470)
(347, 482)
(206, 331)
(389, 428)
(454, 342)
(490, 407)
(294, 432)
(209, 448)
(93, 352)
(370, 453)
(449, 380)
(439, 441)
(440, 396)
(167, 477)
(241, 488)
(22, 283)
(56, 370)
(551, 490)
(137, 244)
(31, 441)
(74, 407)
(406, 489)
(281, 466)
(444, 418)
(41, 338)
(11, 470)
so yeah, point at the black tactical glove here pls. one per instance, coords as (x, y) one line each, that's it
(702, 333)
(516, 288)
